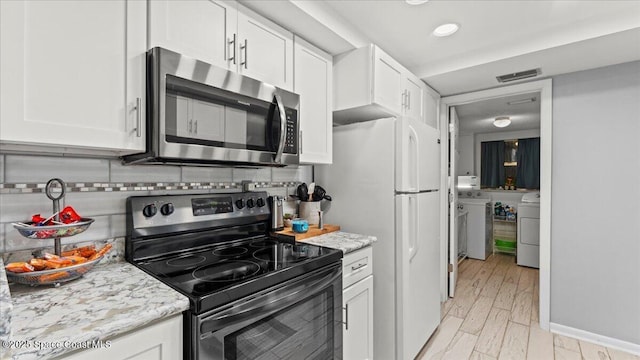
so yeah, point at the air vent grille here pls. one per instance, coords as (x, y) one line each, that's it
(519, 75)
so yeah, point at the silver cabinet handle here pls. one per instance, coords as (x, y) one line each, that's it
(232, 43)
(346, 317)
(195, 127)
(244, 59)
(404, 94)
(138, 118)
(358, 267)
(190, 125)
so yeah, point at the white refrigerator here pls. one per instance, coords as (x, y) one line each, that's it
(384, 181)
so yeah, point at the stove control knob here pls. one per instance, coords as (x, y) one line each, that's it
(167, 209)
(260, 202)
(251, 203)
(240, 203)
(149, 210)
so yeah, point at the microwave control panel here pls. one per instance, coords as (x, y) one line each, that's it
(291, 139)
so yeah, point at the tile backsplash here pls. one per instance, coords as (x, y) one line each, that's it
(98, 188)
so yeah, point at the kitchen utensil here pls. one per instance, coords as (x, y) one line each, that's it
(300, 225)
(319, 193)
(312, 186)
(303, 192)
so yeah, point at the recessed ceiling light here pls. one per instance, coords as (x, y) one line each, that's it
(501, 121)
(416, 2)
(446, 29)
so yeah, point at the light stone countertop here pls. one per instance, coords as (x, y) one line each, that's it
(5, 306)
(108, 301)
(347, 242)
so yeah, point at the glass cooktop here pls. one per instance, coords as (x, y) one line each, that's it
(216, 275)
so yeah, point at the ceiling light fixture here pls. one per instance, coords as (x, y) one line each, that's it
(521, 101)
(416, 2)
(446, 29)
(501, 121)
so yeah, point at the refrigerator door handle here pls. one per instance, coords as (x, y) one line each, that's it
(413, 226)
(414, 158)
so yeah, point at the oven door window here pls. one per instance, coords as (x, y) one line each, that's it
(303, 331)
(204, 115)
(301, 320)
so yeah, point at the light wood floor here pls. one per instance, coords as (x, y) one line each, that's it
(494, 315)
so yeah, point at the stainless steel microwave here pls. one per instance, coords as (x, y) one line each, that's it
(198, 113)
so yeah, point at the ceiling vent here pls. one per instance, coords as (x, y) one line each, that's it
(519, 75)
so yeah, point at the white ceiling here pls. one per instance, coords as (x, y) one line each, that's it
(495, 37)
(477, 117)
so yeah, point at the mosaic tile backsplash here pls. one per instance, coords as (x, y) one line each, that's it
(98, 188)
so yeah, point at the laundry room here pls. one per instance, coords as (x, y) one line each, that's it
(497, 163)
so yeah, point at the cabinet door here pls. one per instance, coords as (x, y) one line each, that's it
(413, 97)
(202, 29)
(313, 82)
(358, 315)
(387, 82)
(72, 73)
(431, 107)
(265, 50)
(160, 341)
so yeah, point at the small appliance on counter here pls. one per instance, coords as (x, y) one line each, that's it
(470, 182)
(276, 205)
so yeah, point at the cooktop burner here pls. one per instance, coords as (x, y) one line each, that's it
(186, 260)
(230, 251)
(226, 271)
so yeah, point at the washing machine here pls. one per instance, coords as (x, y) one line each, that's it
(529, 230)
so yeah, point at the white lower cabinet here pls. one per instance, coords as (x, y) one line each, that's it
(160, 341)
(357, 302)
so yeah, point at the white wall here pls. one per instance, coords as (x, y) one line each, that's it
(595, 228)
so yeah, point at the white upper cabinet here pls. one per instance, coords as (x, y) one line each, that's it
(73, 76)
(313, 80)
(225, 34)
(369, 84)
(413, 96)
(201, 29)
(387, 81)
(265, 50)
(431, 107)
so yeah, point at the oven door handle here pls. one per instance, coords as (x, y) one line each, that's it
(283, 128)
(285, 297)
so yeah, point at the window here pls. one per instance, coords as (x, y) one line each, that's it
(510, 164)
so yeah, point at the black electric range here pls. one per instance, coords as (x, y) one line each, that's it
(215, 248)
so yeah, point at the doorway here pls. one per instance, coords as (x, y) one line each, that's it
(542, 90)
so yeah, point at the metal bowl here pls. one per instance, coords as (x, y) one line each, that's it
(53, 276)
(32, 231)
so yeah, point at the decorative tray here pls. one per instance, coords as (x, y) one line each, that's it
(53, 276)
(31, 231)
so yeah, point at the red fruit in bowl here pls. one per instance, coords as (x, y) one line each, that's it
(68, 215)
(37, 219)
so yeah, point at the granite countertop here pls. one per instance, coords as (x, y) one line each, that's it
(347, 242)
(109, 300)
(5, 306)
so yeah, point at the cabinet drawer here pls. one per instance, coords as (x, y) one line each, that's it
(356, 266)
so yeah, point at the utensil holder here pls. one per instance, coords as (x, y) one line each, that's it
(309, 211)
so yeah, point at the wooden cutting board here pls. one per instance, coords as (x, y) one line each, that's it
(288, 234)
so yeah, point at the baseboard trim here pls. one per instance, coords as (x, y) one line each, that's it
(595, 338)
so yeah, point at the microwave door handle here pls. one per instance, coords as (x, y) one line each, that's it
(283, 128)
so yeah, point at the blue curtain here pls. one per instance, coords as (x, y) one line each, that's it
(528, 170)
(492, 173)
